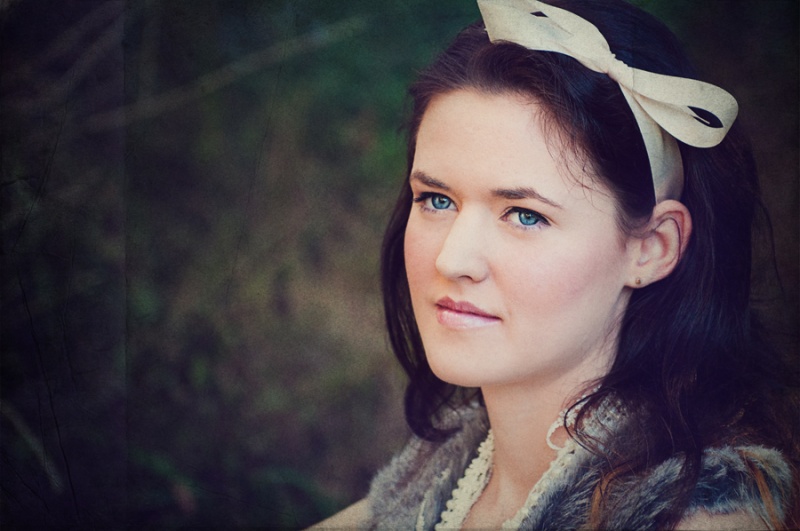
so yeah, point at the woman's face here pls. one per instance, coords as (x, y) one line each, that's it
(516, 268)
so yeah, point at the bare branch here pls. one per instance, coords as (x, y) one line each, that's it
(66, 42)
(34, 444)
(79, 70)
(225, 76)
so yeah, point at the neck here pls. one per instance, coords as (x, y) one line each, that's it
(520, 417)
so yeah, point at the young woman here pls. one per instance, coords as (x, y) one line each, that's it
(566, 280)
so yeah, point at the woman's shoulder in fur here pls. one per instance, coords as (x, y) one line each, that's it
(397, 491)
(752, 478)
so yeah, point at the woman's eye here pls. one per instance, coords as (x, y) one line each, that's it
(434, 201)
(440, 202)
(526, 218)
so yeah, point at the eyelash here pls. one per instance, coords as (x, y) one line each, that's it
(424, 197)
(541, 220)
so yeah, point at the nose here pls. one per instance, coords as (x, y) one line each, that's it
(464, 254)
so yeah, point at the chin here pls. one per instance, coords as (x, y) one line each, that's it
(453, 373)
(460, 380)
(462, 373)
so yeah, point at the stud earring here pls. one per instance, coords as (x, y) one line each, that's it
(638, 281)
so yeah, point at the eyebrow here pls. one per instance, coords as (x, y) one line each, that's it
(517, 193)
(427, 180)
(523, 192)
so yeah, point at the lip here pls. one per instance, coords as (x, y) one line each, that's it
(462, 314)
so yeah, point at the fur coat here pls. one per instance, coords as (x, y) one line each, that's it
(411, 492)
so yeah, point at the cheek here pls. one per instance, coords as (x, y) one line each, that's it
(538, 285)
(420, 251)
(574, 277)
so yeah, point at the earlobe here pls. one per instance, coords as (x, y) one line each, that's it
(661, 244)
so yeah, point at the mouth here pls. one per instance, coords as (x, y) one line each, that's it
(462, 315)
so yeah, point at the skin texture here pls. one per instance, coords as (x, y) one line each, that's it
(722, 522)
(354, 517)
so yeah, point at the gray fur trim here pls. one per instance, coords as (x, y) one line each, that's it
(729, 479)
(429, 471)
(425, 469)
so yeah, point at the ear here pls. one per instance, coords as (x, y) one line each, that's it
(661, 244)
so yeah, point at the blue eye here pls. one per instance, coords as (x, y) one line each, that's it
(528, 218)
(433, 201)
(524, 218)
(440, 202)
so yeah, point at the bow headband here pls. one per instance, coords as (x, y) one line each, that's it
(665, 107)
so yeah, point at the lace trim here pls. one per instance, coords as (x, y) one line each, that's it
(469, 487)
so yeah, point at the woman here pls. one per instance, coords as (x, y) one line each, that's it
(566, 280)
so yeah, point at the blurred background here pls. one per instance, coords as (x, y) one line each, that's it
(193, 197)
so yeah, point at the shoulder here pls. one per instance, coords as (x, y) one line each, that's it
(740, 483)
(744, 487)
(704, 521)
(422, 475)
(731, 474)
(356, 516)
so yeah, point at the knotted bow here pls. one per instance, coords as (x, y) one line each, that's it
(665, 107)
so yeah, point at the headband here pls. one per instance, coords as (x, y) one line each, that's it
(665, 107)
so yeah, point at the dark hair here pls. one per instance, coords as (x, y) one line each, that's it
(692, 367)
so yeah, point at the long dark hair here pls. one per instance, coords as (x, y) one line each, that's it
(692, 369)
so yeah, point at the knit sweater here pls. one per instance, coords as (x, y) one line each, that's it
(411, 492)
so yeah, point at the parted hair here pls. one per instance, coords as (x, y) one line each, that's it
(692, 368)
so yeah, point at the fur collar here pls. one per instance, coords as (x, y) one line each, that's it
(412, 490)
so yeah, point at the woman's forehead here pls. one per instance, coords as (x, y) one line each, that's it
(505, 135)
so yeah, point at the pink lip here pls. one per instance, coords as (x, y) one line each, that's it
(462, 315)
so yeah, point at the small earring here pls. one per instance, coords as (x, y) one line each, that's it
(638, 281)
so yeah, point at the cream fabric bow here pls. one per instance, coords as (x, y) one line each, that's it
(665, 107)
